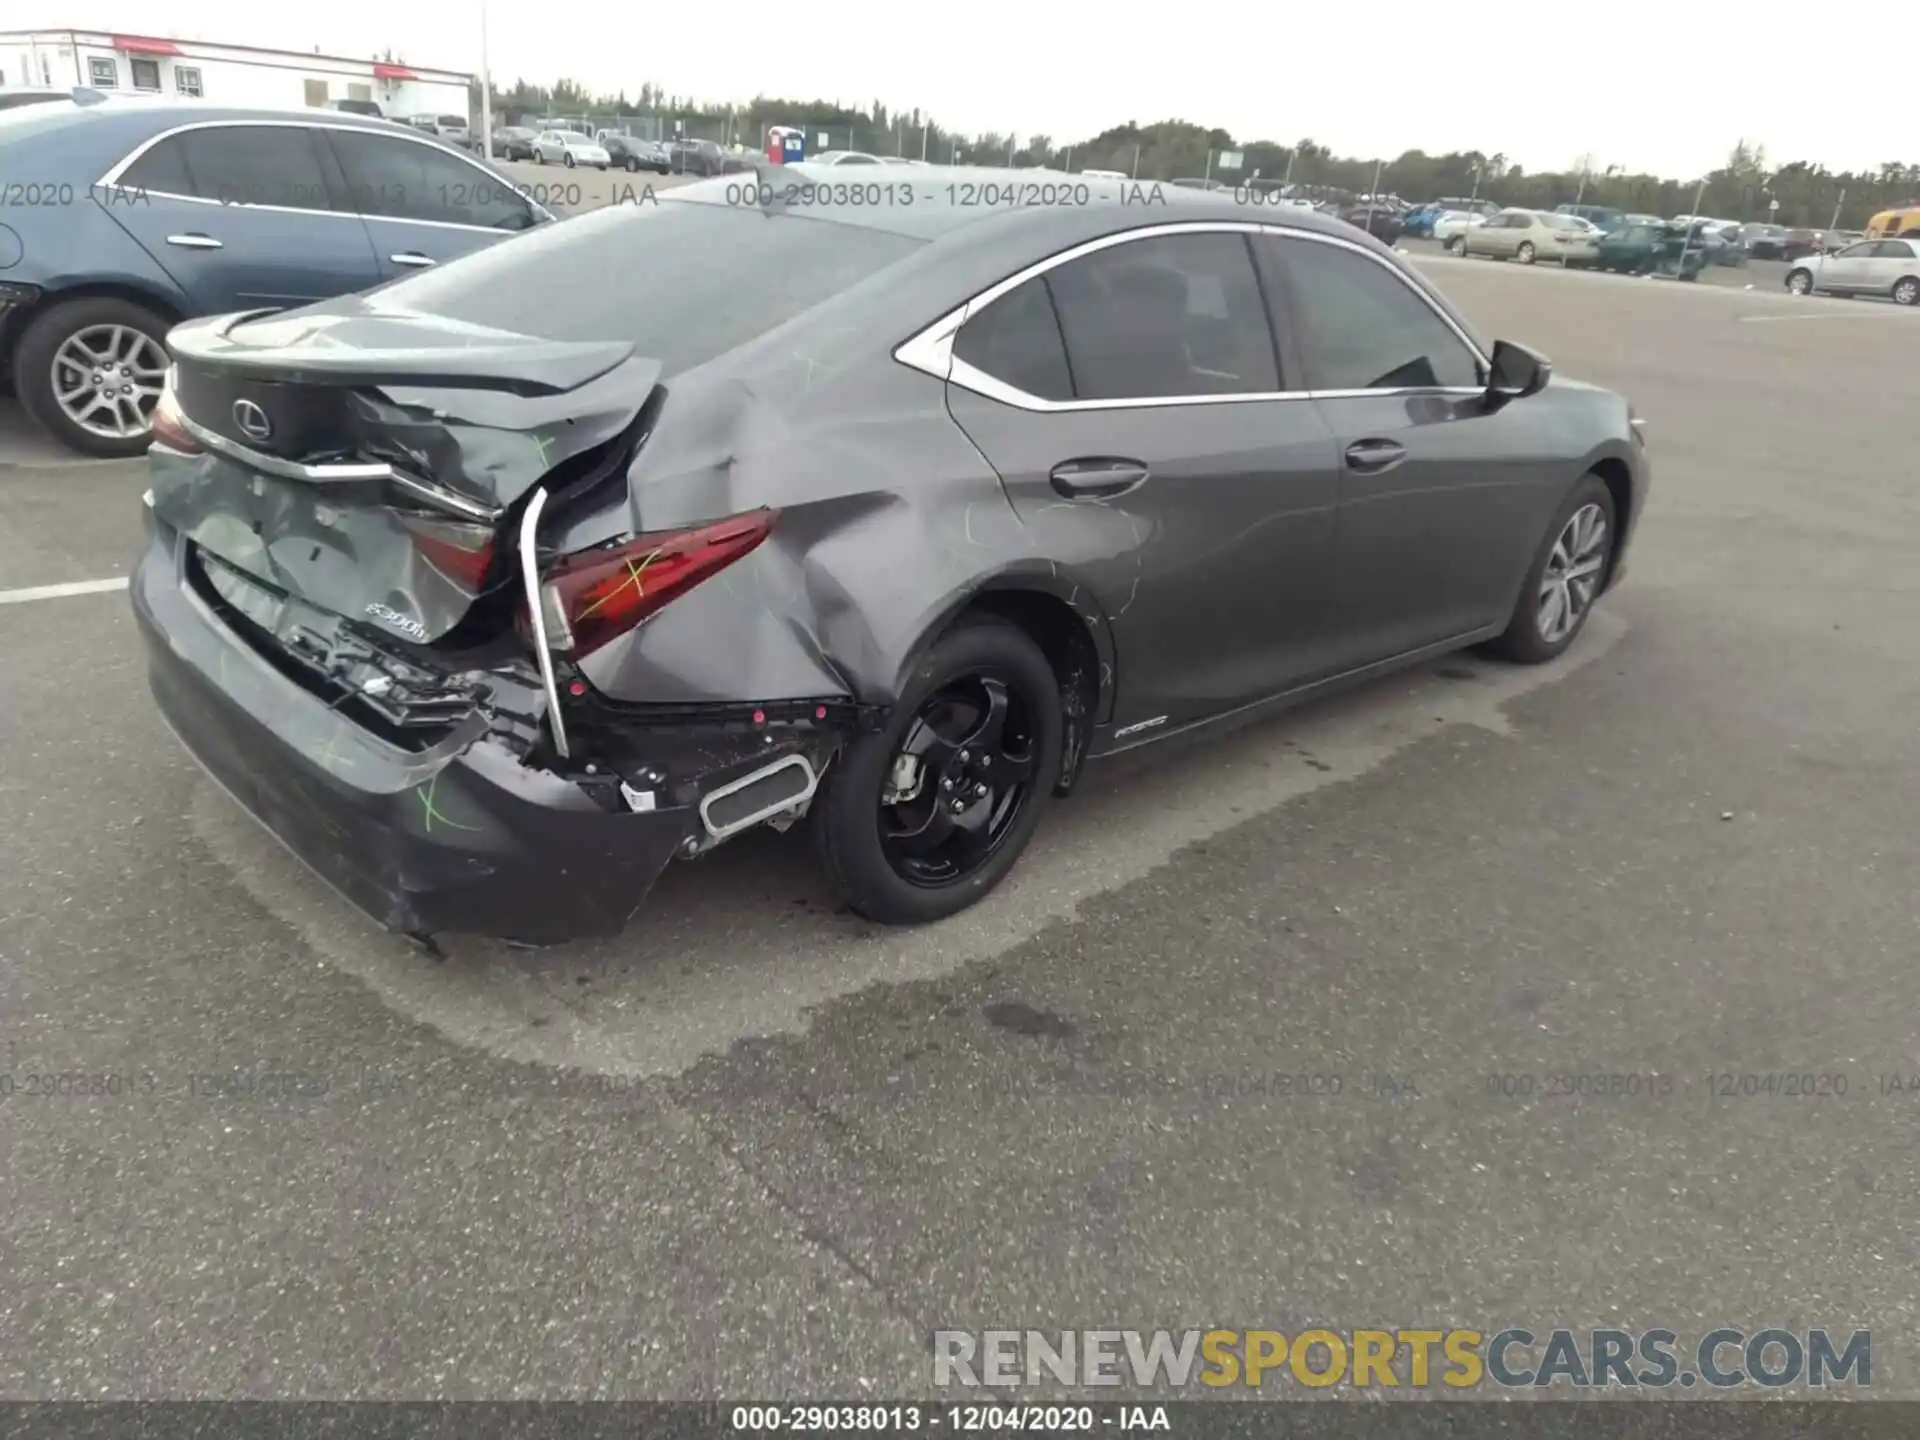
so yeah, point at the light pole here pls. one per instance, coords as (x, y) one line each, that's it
(486, 89)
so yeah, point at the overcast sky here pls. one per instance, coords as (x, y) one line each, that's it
(1662, 87)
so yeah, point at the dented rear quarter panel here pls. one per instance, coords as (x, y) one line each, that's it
(890, 521)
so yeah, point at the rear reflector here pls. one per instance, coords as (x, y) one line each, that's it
(592, 597)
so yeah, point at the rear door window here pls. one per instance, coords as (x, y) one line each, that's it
(275, 165)
(401, 179)
(1172, 316)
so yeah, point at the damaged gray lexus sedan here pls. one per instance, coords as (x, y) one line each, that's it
(493, 590)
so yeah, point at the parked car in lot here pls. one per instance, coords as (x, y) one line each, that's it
(569, 148)
(1380, 221)
(1452, 226)
(513, 142)
(31, 95)
(1718, 240)
(697, 157)
(1764, 241)
(660, 564)
(843, 157)
(628, 153)
(1601, 217)
(1486, 209)
(1869, 267)
(1530, 235)
(1800, 242)
(451, 128)
(1656, 249)
(183, 209)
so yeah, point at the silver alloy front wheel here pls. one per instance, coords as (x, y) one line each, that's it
(1572, 576)
(1799, 282)
(107, 379)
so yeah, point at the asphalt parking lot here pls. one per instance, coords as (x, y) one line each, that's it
(757, 1147)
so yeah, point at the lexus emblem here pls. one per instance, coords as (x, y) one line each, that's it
(252, 420)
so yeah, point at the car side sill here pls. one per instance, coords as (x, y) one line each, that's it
(1227, 721)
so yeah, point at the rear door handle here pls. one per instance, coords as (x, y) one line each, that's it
(194, 240)
(1097, 478)
(412, 258)
(1371, 457)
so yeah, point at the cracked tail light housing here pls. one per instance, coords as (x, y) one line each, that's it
(598, 595)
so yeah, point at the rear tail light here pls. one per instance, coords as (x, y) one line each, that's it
(593, 597)
(459, 551)
(169, 425)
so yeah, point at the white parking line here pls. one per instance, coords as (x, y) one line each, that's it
(57, 592)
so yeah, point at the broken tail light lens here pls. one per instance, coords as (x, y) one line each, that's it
(595, 596)
(459, 551)
(169, 425)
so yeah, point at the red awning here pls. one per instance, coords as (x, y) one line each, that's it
(140, 45)
(392, 72)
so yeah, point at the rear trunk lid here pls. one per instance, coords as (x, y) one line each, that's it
(370, 462)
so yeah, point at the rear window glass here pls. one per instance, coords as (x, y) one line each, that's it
(699, 279)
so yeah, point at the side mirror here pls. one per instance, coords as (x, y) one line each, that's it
(1517, 372)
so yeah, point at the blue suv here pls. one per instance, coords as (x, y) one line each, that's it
(121, 218)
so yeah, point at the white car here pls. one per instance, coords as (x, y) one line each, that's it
(1887, 267)
(843, 157)
(1451, 228)
(569, 148)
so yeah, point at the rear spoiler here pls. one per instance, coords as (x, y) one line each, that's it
(347, 349)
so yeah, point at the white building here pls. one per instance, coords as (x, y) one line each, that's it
(224, 74)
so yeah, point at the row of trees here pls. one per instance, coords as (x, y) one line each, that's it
(1746, 187)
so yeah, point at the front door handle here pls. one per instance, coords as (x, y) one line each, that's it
(194, 240)
(1097, 478)
(412, 258)
(1372, 457)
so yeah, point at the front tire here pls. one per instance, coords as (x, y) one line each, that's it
(922, 818)
(89, 373)
(1906, 291)
(566, 159)
(1525, 254)
(1565, 579)
(1800, 282)
(633, 165)
(1458, 246)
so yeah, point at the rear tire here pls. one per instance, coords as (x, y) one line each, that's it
(33, 364)
(871, 874)
(566, 159)
(1525, 254)
(1533, 635)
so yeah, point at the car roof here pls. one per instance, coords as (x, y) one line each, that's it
(948, 198)
(80, 143)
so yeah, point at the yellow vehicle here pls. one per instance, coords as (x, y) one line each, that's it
(1895, 222)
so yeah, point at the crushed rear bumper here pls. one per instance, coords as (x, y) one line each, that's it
(461, 836)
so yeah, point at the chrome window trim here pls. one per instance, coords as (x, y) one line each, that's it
(126, 162)
(336, 473)
(931, 349)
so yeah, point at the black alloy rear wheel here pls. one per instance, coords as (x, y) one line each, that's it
(923, 818)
